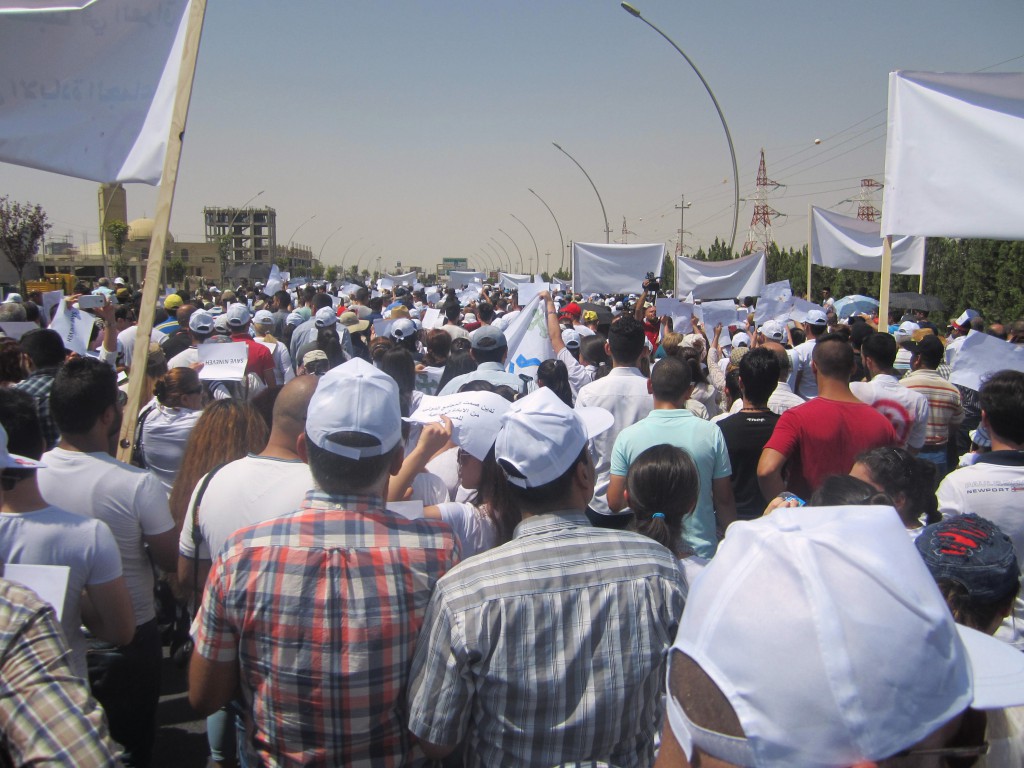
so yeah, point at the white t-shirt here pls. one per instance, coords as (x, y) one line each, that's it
(126, 340)
(164, 435)
(446, 466)
(908, 415)
(801, 357)
(129, 500)
(184, 359)
(51, 536)
(243, 493)
(476, 531)
(625, 393)
(429, 488)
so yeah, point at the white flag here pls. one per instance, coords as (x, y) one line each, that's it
(844, 242)
(89, 92)
(528, 342)
(954, 155)
(721, 279)
(457, 279)
(600, 268)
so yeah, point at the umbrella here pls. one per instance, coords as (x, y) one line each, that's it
(919, 301)
(855, 305)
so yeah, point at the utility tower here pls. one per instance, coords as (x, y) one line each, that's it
(866, 209)
(683, 205)
(759, 237)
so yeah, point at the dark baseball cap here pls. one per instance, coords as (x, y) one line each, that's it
(974, 553)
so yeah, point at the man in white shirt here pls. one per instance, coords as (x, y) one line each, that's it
(805, 383)
(249, 490)
(626, 393)
(82, 476)
(906, 409)
(783, 398)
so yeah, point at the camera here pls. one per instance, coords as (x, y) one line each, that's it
(651, 283)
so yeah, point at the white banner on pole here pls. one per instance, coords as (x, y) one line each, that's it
(406, 279)
(954, 155)
(721, 279)
(88, 92)
(457, 279)
(845, 242)
(528, 342)
(510, 281)
(600, 268)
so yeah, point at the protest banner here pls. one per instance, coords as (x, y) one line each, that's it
(528, 342)
(603, 268)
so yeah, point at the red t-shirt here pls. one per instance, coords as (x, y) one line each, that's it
(260, 359)
(823, 437)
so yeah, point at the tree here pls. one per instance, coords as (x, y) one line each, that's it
(117, 231)
(176, 269)
(317, 270)
(22, 228)
(331, 274)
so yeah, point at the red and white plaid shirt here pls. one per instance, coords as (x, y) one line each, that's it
(321, 609)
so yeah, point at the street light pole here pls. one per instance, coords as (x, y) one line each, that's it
(728, 136)
(506, 252)
(325, 243)
(345, 256)
(561, 240)
(506, 234)
(607, 227)
(535, 250)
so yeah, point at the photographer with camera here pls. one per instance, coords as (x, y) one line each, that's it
(646, 313)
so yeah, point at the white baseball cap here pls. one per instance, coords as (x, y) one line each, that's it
(118, 281)
(355, 397)
(571, 338)
(906, 331)
(220, 324)
(402, 328)
(772, 329)
(201, 321)
(263, 317)
(238, 315)
(741, 339)
(541, 437)
(325, 318)
(852, 654)
(816, 317)
(13, 460)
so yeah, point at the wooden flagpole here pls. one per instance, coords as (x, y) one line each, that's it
(810, 245)
(883, 294)
(165, 199)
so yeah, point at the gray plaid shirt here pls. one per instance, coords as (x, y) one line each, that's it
(550, 648)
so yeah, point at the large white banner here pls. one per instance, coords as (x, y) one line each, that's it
(406, 279)
(846, 242)
(954, 155)
(600, 268)
(510, 281)
(89, 92)
(721, 279)
(457, 279)
(529, 344)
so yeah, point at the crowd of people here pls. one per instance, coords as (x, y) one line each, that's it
(774, 543)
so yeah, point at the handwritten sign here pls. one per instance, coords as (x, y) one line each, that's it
(75, 328)
(223, 362)
(476, 417)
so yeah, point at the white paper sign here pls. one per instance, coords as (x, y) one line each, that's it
(680, 312)
(223, 362)
(475, 417)
(432, 318)
(776, 291)
(982, 355)
(75, 328)
(801, 307)
(51, 299)
(716, 312)
(527, 291)
(17, 330)
(50, 582)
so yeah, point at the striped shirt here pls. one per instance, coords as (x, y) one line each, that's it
(550, 648)
(321, 609)
(47, 716)
(945, 408)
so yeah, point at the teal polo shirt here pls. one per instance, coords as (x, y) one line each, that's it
(705, 444)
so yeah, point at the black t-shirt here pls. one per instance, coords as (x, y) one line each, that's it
(746, 433)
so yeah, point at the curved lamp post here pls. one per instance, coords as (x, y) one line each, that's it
(503, 248)
(345, 256)
(561, 240)
(607, 228)
(506, 234)
(728, 136)
(325, 243)
(535, 251)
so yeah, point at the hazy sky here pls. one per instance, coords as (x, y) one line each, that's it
(418, 127)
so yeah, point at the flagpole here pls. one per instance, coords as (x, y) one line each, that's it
(883, 294)
(165, 199)
(810, 241)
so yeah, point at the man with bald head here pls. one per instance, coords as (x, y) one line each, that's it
(250, 490)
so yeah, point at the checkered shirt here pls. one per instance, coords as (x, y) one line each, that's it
(38, 384)
(550, 648)
(47, 715)
(321, 609)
